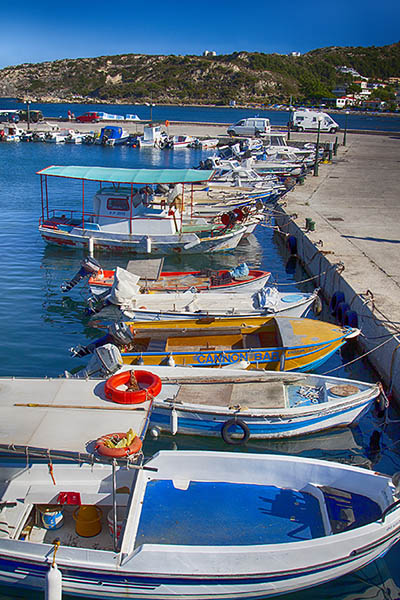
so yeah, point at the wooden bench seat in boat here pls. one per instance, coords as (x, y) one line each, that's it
(251, 395)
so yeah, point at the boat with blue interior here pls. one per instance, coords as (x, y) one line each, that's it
(190, 524)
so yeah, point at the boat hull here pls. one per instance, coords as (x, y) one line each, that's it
(272, 426)
(176, 282)
(137, 245)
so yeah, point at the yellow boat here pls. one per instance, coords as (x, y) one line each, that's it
(273, 343)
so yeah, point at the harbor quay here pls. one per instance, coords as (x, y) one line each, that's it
(344, 226)
(352, 250)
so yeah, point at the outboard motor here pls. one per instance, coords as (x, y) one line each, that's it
(89, 266)
(118, 334)
(105, 361)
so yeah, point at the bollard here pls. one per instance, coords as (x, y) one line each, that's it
(335, 147)
(330, 151)
(310, 224)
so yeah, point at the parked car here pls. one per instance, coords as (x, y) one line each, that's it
(9, 117)
(34, 115)
(251, 126)
(89, 117)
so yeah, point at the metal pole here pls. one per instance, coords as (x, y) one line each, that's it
(345, 129)
(317, 151)
(114, 499)
(28, 115)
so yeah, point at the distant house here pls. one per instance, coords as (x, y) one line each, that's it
(344, 101)
(349, 71)
(373, 104)
(209, 53)
(294, 54)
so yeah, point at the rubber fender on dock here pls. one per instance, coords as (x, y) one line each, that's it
(341, 310)
(227, 436)
(291, 243)
(336, 299)
(351, 319)
(317, 307)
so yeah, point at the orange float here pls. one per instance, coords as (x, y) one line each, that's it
(151, 387)
(133, 448)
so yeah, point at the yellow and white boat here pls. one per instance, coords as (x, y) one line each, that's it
(273, 343)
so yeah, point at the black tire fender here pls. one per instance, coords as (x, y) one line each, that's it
(227, 437)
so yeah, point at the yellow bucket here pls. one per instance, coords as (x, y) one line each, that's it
(87, 520)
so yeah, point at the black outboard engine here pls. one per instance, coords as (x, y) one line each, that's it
(118, 334)
(89, 267)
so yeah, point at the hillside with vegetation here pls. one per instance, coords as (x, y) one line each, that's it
(242, 76)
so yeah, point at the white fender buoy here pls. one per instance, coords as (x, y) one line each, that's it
(91, 247)
(53, 588)
(148, 244)
(155, 432)
(174, 422)
(170, 361)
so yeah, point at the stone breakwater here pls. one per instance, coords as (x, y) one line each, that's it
(354, 248)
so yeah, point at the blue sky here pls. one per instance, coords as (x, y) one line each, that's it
(40, 30)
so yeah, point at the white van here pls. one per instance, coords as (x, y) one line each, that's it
(307, 120)
(251, 126)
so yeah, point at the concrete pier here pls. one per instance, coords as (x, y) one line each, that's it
(355, 204)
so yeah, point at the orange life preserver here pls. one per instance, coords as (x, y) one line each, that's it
(104, 450)
(166, 123)
(150, 380)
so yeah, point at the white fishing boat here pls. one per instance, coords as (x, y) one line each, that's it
(242, 405)
(130, 304)
(153, 137)
(192, 524)
(124, 217)
(154, 279)
(205, 144)
(58, 137)
(180, 141)
(11, 133)
(75, 137)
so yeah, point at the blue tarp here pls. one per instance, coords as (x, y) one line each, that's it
(136, 176)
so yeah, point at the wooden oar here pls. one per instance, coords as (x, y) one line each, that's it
(113, 407)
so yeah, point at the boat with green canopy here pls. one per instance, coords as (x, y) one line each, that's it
(134, 210)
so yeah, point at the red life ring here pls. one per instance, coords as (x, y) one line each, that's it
(151, 382)
(104, 450)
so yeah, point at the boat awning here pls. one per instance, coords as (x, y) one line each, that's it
(134, 176)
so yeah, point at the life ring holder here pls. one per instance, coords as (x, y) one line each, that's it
(227, 437)
(150, 380)
(104, 450)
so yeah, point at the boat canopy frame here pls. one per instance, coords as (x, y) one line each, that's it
(118, 176)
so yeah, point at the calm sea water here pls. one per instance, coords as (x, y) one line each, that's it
(206, 114)
(40, 324)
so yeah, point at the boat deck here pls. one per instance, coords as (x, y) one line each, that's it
(67, 415)
(215, 513)
(210, 513)
(253, 395)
